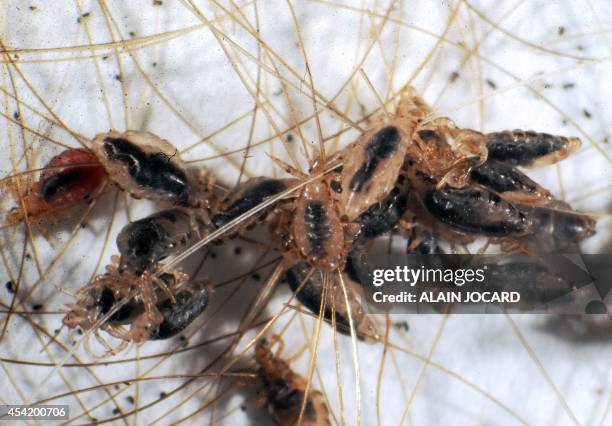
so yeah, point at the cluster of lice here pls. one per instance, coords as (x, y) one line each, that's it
(425, 177)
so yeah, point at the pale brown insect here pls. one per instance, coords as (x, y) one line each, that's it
(284, 391)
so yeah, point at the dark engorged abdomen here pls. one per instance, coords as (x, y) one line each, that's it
(252, 196)
(476, 211)
(522, 148)
(152, 171)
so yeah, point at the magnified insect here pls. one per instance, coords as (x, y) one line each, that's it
(284, 391)
(68, 179)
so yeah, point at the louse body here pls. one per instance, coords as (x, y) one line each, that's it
(145, 242)
(318, 232)
(154, 310)
(285, 390)
(529, 149)
(371, 167)
(68, 179)
(146, 166)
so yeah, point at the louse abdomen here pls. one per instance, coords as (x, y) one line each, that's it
(82, 175)
(370, 169)
(317, 230)
(557, 227)
(510, 182)
(529, 149)
(476, 211)
(382, 145)
(383, 216)
(248, 196)
(145, 242)
(190, 303)
(153, 171)
(310, 286)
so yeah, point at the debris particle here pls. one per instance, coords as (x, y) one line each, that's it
(567, 86)
(10, 286)
(453, 77)
(491, 84)
(586, 113)
(237, 251)
(33, 8)
(402, 325)
(162, 395)
(157, 2)
(561, 30)
(256, 276)
(37, 306)
(130, 399)
(548, 86)
(117, 77)
(289, 138)
(16, 115)
(116, 411)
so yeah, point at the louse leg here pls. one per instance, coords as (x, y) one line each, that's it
(510, 183)
(477, 211)
(528, 148)
(151, 317)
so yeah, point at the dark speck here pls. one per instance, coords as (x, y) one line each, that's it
(132, 33)
(154, 64)
(10, 286)
(243, 407)
(105, 57)
(561, 30)
(130, 399)
(117, 77)
(491, 84)
(28, 256)
(567, 86)
(586, 113)
(162, 395)
(289, 138)
(453, 77)
(37, 306)
(16, 115)
(580, 47)
(213, 255)
(157, 2)
(256, 276)
(237, 251)
(547, 86)
(33, 8)
(116, 411)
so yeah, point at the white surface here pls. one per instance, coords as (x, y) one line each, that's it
(523, 363)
